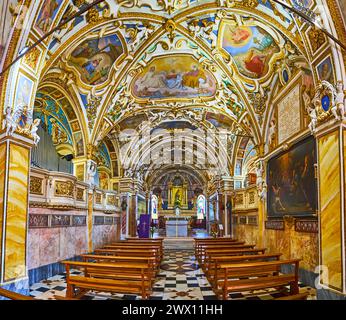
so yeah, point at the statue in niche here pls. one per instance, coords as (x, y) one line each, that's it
(91, 171)
(34, 129)
(313, 116)
(272, 133)
(339, 102)
(263, 192)
(259, 174)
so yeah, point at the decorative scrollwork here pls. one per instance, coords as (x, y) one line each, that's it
(64, 189)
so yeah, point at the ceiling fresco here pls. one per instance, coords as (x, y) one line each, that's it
(173, 65)
(174, 76)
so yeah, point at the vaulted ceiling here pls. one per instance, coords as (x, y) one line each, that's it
(198, 65)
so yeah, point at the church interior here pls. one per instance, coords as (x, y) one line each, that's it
(172, 150)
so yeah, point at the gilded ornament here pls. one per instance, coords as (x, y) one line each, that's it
(111, 200)
(64, 189)
(36, 185)
(316, 38)
(31, 58)
(92, 16)
(80, 194)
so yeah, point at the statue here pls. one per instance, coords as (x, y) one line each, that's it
(339, 102)
(263, 192)
(91, 171)
(21, 119)
(177, 211)
(272, 130)
(259, 174)
(34, 129)
(8, 122)
(313, 116)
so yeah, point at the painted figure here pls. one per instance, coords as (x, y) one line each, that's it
(47, 14)
(193, 78)
(277, 205)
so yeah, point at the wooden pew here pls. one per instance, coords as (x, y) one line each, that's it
(214, 239)
(14, 295)
(202, 246)
(200, 254)
(120, 277)
(199, 244)
(213, 262)
(144, 239)
(151, 261)
(125, 252)
(133, 246)
(237, 277)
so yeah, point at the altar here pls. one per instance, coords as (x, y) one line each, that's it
(176, 227)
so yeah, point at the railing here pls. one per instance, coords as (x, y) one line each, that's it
(62, 190)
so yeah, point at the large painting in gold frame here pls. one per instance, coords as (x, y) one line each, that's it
(292, 186)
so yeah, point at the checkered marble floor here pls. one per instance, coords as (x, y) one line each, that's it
(180, 278)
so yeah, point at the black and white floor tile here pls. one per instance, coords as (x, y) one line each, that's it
(180, 278)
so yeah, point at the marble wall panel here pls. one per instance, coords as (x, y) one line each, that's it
(248, 233)
(305, 246)
(291, 244)
(330, 207)
(49, 245)
(33, 248)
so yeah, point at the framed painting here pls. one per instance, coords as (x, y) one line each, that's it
(325, 70)
(292, 186)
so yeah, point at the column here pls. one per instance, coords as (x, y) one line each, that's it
(15, 154)
(132, 222)
(226, 229)
(90, 219)
(331, 148)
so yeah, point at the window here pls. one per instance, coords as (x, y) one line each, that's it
(154, 202)
(200, 207)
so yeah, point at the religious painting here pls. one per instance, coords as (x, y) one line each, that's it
(218, 120)
(94, 58)
(251, 47)
(342, 4)
(103, 180)
(292, 187)
(32, 57)
(75, 126)
(179, 76)
(115, 168)
(68, 109)
(132, 122)
(302, 4)
(78, 137)
(23, 92)
(47, 14)
(325, 70)
(141, 206)
(80, 172)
